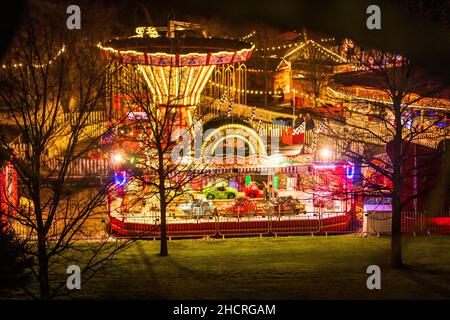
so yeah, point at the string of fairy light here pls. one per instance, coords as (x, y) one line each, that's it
(36, 65)
(300, 44)
(284, 46)
(371, 110)
(261, 92)
(248, 36)
(327, 40)
(378, 101)
(330, 54)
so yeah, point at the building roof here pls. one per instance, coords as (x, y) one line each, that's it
(177, 45)
(423, 84)
(258, 63)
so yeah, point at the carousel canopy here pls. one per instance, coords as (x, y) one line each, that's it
(177, 52)
(176, 69)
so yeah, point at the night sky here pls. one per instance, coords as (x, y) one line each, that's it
(417, 29)
(419, 32)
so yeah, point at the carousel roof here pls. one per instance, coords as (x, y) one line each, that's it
(422, 83)
(177, 45)
(183, 51)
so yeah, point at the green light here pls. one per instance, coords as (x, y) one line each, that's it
(275, 182)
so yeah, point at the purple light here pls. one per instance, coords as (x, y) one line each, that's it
(350, 172)
(120, 178)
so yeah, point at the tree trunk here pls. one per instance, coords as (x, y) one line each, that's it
(163, 249)
(43, 271)
(396, 241)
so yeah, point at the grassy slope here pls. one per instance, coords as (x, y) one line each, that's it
(270, 268)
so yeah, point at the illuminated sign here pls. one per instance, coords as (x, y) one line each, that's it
(349, 172)
(137, 115)
(147, 31)
(120, 178)
(378, 201)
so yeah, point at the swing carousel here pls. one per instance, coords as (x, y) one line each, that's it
(175, 65)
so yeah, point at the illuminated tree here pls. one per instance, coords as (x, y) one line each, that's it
(162, 141)
(383, 130)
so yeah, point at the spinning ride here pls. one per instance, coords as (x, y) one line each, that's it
(175, 66)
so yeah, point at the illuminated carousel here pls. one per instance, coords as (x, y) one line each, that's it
(177, 68)
(174, 68)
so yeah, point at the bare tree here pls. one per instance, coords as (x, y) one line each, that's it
(158, 141)
(316, 66)
(380, 132)
(265, 38)
(51, 81)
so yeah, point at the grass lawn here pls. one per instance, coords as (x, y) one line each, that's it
(305, 267)
(276, 268)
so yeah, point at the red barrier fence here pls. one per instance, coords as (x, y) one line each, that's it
(214, 226)
(272, 225)
(233, 226)
(412, 223)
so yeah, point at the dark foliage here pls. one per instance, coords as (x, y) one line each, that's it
(13, 263)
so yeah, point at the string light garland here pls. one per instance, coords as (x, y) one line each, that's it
(259, 127)
(330, 54)
(253, 114)
(387, 103)
(261, 92)
(284, 46)
(251, 34)
(334, 56)
(294, 50)
(230, 108)
(49, 62)
(327, 40)
(256, 92)
(257, 70)
(222, 100)
(167, 59)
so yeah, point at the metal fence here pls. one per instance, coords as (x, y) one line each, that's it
(94, 228)
(232, 225)
(411, 223)
(213, 226)
(82, 167)
(276, 224)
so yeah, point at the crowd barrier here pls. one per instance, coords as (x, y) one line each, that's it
(213, 226)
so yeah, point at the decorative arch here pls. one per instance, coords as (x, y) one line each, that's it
(240, 130)
(237, 136)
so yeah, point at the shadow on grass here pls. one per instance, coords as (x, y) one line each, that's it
(203, 279)
(423, 276)
(284, 268)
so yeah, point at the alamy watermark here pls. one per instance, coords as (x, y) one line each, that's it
(374, 280)
(74, 280)
(74, 20)
(373, 22)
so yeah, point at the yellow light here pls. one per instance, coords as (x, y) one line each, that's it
(325, 153)
(117, 158)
